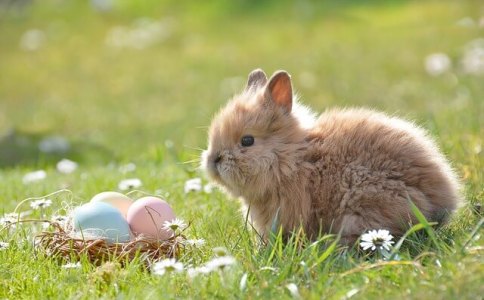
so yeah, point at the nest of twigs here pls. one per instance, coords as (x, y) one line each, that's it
(62, 244)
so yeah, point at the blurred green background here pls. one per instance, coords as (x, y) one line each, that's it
(127, 89)
(106, 80)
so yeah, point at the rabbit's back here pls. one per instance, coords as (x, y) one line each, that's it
(367, 165)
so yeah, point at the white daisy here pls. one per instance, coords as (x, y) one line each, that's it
(144, 33)
(473, 57)
(195, 242)
(34, 176)
(243, 282)
(376, 239)
(32, 40)
(176, 224)
(41, 203)
(221, 262)
(351, 293)
(66, 166)
(218, 263)
(193, 272)
(61, 220)
(220, 251)
(293, 290)
(129, 184)
(169, 144)
(130, 167)
(4, 245)
(166, 266)
(9, 219)
(193, 185)
(208, 188)
(76, 265)
(437, 64)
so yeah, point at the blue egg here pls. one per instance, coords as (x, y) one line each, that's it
(102, 220)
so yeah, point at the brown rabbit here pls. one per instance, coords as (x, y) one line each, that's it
(349, 171)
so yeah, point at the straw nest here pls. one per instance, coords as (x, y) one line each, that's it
(61, 243)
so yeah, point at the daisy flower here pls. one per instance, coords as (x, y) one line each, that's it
(218, 263)
(76, 265)
(293, 290)
(243, 282)
(9, 219)
(130, 167)
(373, 239)
(4, 245)
(195, 242)
(220, 251)
(32, 40)
(193, 185)
(437, 64)
(169, 144)
(66, 166)
(129, 184)
(208, 188)
(473, 57)
(221, 262)
(61, 220)
(34, 176)
(41, 203)
(166, 266)
(193, 272)
(176, 224)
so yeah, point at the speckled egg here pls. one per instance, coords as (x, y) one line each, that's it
(101, 220)
(147, 215)
(118, 200)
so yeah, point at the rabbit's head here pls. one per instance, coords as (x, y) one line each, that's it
(254, 140)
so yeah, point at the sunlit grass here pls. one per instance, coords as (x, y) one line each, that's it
(152, 106)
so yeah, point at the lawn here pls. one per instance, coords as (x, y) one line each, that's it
(127, 89)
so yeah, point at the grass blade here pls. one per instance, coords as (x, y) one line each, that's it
(399, 244)
(426, 225)
(326, 253)
(473, 233)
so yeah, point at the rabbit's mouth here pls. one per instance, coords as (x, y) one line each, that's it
(221, 167)
(210, 165)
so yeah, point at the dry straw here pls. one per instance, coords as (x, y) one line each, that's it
(61, 244)
(66, 244)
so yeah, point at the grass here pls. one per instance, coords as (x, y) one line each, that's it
(151, 106)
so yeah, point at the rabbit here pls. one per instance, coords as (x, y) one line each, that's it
(348, 171)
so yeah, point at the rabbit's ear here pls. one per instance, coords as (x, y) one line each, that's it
(257, 79)
(279, 90)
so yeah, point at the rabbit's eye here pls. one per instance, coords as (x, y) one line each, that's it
(247, 140)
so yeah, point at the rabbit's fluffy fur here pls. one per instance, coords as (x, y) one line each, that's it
(346, 172)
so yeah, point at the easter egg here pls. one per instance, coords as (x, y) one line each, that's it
(118, 200)
(147, 215)
(101, 220)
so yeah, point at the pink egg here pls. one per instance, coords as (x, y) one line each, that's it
(147, 215)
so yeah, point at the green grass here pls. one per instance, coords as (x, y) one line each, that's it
(117, 106)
